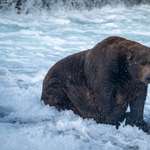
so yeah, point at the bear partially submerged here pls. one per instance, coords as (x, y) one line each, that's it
(101, 82)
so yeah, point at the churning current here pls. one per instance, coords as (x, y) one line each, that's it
(31, 42)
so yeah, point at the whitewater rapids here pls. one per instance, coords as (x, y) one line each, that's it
(30, 43)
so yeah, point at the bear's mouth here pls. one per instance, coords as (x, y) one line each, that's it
(147, 79)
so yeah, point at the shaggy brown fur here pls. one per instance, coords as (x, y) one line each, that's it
(101, 82)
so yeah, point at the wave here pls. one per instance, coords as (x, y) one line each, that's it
(28, 6)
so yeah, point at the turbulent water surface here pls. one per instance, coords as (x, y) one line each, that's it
(30, 43)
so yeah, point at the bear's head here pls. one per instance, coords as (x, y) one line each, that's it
(138, 62)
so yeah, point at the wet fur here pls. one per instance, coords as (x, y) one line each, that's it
(101, 82)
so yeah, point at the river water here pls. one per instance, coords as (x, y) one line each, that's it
(30, 43)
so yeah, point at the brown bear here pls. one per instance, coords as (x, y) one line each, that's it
(101, 82)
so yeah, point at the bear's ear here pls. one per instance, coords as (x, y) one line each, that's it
(129, 55)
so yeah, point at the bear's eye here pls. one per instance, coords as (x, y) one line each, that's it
(143, 63)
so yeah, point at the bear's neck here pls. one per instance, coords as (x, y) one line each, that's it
(119, 73)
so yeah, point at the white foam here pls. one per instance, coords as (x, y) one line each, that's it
(29, 46)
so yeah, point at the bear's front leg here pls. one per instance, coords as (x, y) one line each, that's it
(141, 124)
(135, 117)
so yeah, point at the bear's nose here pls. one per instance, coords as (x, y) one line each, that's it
(148, 78)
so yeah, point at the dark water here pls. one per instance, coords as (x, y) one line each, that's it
(27, 6)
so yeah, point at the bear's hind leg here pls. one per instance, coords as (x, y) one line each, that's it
(54, 96)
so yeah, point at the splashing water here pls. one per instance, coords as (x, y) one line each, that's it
(30, 43)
